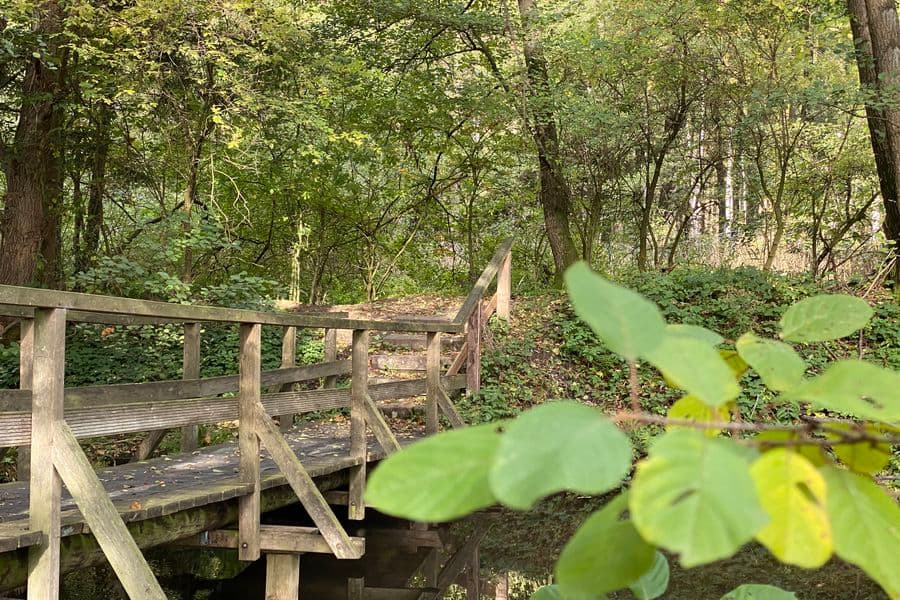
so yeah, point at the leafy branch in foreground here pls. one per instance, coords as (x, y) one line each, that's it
(712, 481)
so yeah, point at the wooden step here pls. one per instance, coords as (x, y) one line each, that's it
(404, 362)
(416, 341)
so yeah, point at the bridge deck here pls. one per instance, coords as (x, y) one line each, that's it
(169, 484)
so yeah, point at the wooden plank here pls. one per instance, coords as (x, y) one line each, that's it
(26, 375)
(282, 577)
(463, 355)
(302, 484)
(380, 428)
(34, 297)
(433, 381)
(356, 588)
(288, 359)
(480, 287)
(15, 428)
(384, 593)
(473, 353)
(48, 375)
(150, 443)
(286, 539)
(250, 391)
(449, 409)
(190, 370)
(330, 350)
(107, 527)
(457, 563)
(337, 497)
(356, 508)
(504, 287)
(403, 362)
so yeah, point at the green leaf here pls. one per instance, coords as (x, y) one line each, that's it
(856, 388)
(792, 491)
(737, 364)
(605, 554)
(862, 457)
(696, 332)
(779, 366)
(440, 478)
(823, 318)
(625, 321)
(755, 591)
(813, 453)
(694, 495)
(654, 582)
(558, 446)
(695, 367)
(554, 592)
(865, 522)
(692, 409)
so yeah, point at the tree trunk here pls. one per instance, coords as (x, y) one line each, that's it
(876, 33)
(555, 195)
(94, 221)
(32, 165)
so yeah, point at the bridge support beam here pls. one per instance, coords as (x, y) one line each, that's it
(282, 576)
(358, 444)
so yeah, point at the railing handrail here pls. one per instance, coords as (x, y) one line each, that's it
(480, 287)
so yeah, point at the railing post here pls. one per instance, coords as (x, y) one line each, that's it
(190, 370)
(250, 392)
(48, 386)
(359, 390)
(330, 354)
(288, 359)
(432, 381)
(504, 287)
(473, 348)
(26, 373)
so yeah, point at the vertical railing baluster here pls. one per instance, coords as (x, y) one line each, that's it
(504, 287)
(473, 348)
(26, 373)
(288, 359)
(190, 434)
(330, 354)
(48, 389)
(250, 392)
(432, 380)
(358, 446)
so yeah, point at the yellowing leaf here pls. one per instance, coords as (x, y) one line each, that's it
(792, 492)
(692, 409)
(811, 452)
(863, 456)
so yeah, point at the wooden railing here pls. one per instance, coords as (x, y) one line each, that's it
(46, 419)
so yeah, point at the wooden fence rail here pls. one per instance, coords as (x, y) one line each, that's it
(45, 419)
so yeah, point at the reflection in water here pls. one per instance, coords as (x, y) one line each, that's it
(495, 556)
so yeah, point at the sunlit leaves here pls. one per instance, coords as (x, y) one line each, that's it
(856, 388)
(654, 582)
(437, 479)
(862, 456)
(625, 321)
(696, 367)
(754, 591)
(694, 495)
(778, 365)
(605, 554)
(694, 332)
(866, 525)
(558, 446)
(689, 408)
(823, 318)
(792, 492)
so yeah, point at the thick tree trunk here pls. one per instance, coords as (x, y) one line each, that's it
(877, 36)
(555, 195)
(97, 191)
(32, 165)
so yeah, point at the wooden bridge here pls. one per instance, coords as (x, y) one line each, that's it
(63, 514)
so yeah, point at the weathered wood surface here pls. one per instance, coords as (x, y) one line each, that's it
(168, 484)
(190, 370)
(403, 362)
(273, 538)
(249, 394)
(433, 382)
(15, 428)
(481, 286)
(359, 391)
(34, 297)
(282, 577)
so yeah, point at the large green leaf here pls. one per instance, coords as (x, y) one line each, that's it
(696, 367)
(440, 478)
(689, 408)
(823, 318)
(864, 456)
(694, 495)
(792, 491)
(554, 592)
(605, 554)
(625, 321)
(755, 591)
(779, 366)
(866, 525)
(696, 332)
(854, 387)
(654, 582)
(558, 446)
